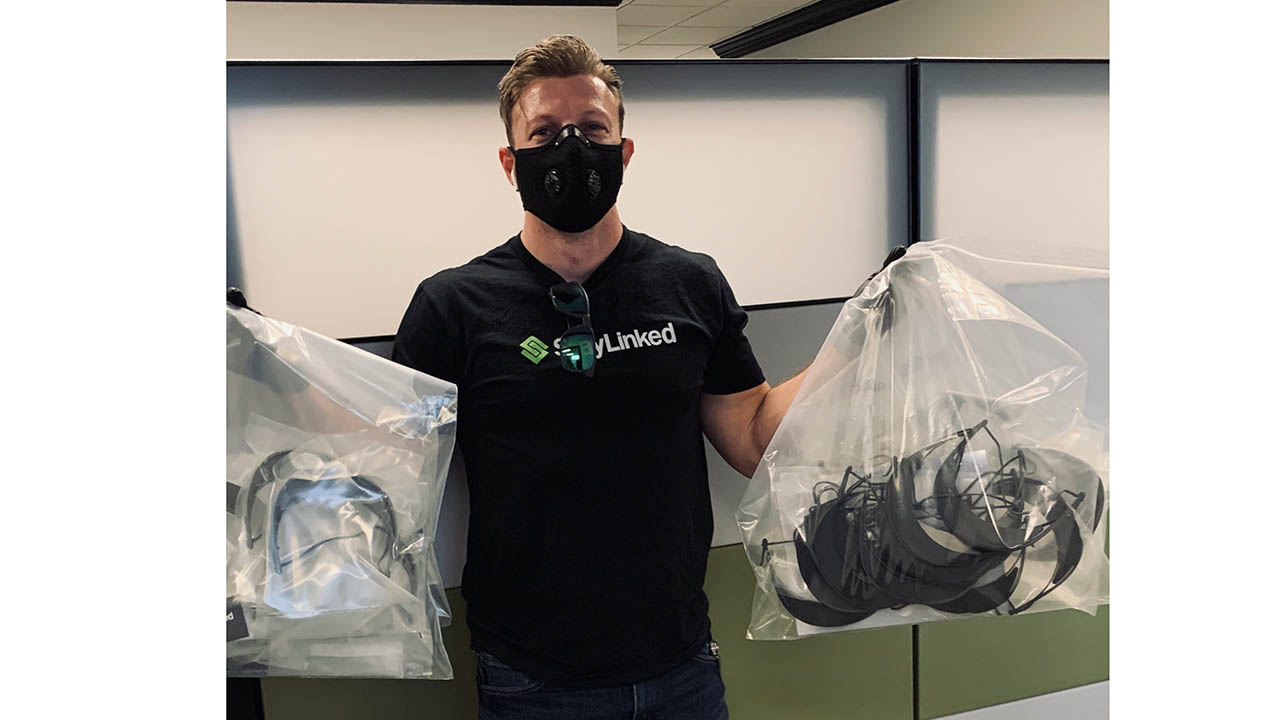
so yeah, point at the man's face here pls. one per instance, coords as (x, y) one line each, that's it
(549, 104)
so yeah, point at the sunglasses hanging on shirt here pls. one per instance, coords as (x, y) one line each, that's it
(578, 343)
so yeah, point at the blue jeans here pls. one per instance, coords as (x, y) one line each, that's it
(692, 691)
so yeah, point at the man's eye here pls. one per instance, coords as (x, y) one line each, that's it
(540, 131)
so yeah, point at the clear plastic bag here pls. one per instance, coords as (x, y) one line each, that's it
(336, 465)
(941, 458)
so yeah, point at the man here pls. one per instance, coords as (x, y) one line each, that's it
(580, 422)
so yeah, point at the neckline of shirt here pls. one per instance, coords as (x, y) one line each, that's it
(605, 268)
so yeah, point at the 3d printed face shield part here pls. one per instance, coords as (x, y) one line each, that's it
(304, 518)
(254, 511)
(855, 557)
(570, 182)
(1003, 528)
(351, 501)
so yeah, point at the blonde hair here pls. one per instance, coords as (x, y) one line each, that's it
(556, 56)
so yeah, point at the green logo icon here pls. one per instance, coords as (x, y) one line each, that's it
(534, 349)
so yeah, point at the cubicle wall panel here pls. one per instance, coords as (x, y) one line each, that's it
(791, 175)
(973, 663)
(351, 183)
(1016, 151)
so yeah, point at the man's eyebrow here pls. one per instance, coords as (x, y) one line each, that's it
(548, 118)
(597, 112)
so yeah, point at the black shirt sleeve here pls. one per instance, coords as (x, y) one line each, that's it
(426, 340)
(732, 366)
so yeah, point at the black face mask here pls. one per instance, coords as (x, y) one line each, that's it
(570, 182)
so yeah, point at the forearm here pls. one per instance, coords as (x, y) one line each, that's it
(769, 416)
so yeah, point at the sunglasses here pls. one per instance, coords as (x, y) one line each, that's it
(578, 343)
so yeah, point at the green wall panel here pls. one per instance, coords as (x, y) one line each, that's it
(845, 675)
(968, 664)
(850, 675)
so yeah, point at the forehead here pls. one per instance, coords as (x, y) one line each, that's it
(565, 98)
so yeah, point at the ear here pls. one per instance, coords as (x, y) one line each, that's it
(508, 161)
(628, 148)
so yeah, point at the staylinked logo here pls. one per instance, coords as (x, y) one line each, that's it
(534, 349)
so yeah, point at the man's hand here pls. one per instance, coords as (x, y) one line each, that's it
(897, 252)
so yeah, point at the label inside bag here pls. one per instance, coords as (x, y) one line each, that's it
(236, 626)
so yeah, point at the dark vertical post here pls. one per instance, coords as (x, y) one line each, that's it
(915, 672)
(913, 151)
(244, 699)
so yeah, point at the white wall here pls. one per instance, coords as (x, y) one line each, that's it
(343, 31)
(961, 28)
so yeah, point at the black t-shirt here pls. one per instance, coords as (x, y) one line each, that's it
(590, 511)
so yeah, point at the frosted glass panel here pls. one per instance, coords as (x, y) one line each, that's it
(349, 184)
(1016, 152)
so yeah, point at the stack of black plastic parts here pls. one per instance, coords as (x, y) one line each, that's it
(939, 459)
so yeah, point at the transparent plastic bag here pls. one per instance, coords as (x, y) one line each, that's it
(336, 465)
(943, 456)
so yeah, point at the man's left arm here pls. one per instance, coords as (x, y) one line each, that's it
(741, 425)
(740, 411)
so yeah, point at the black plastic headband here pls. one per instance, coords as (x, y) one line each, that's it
(866, 549)
(296, 490)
